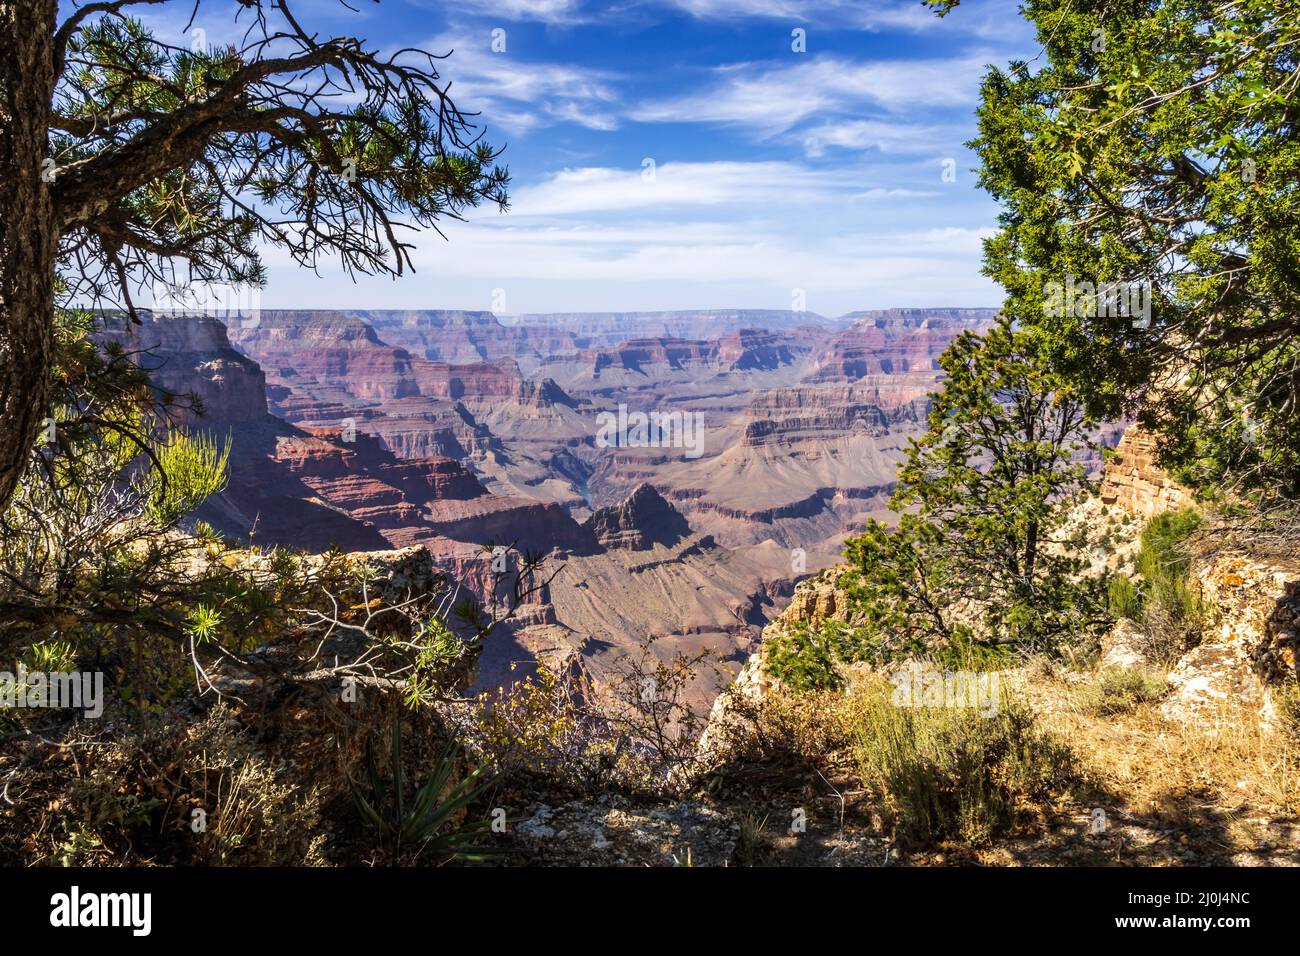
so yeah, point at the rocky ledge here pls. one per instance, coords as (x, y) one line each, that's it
(608, 832)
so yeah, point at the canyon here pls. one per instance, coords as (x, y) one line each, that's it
(461, 431)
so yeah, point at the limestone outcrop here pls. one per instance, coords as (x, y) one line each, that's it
(1251, 643)
(1133, 481)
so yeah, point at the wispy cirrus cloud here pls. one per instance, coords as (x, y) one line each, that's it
(986, 19)
(770, 99)
(908, 16)
(895, 14)
(540, 11)
(740, 186)
(886, 135)
(523, 95)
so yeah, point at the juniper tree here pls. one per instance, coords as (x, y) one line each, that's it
(1156, 141)
(983, 552)
(131, 158)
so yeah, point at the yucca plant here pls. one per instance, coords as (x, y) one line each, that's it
(425, 819)
(50, 657)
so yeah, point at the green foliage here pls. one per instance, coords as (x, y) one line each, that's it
(964, 653)
(950, 773)
(50, 657)
(1287, 699)
(1153, 142)
(980, 556)
(437, 652)
(426, 818)
(339, 167)
(1164, 559)
(1118, 690)
(203, 622)
(809, 658)
(192, 467)
(1163, 600)
(1123, 597)
(904, 582)
(208, 534)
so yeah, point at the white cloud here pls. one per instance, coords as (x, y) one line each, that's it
(769, 224)
(701, 234)
(949, 238)
(983, 18)
(907, 14)
(772, 185)
(769, 100)
(880, 192)
(522, 95)
(780, 188)
(888, 136)
(542, 11)
(738, 252)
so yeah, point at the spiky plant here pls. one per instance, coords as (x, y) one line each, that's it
(425, 820)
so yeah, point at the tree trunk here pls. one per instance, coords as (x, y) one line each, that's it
(27, 233)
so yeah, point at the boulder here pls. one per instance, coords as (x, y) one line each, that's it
(1254, 605)
(1124, 646)
(1209, 681)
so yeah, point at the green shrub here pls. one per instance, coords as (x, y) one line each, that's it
(945, 773)
(1120, 689)
(964, 653)
(1123, 597)
(813, 658)
(809, 658)
(1287, 699)
(1164, 559)
(1165, 603)
(50, 657)
(427, 818)
(193, 467)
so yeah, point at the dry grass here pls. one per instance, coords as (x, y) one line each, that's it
(954, 772)
(1224, 777)
(1223, 792)
(1117, 690)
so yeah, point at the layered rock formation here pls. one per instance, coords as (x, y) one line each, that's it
(1252, 642)
(330, 351)
(894, 341)
(610, 328)
(1133, 481)
(457, 429)
(467, 337)
(634, 572)
(191, 360)
(642, 521)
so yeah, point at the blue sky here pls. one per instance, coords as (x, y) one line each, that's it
(681, 154)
